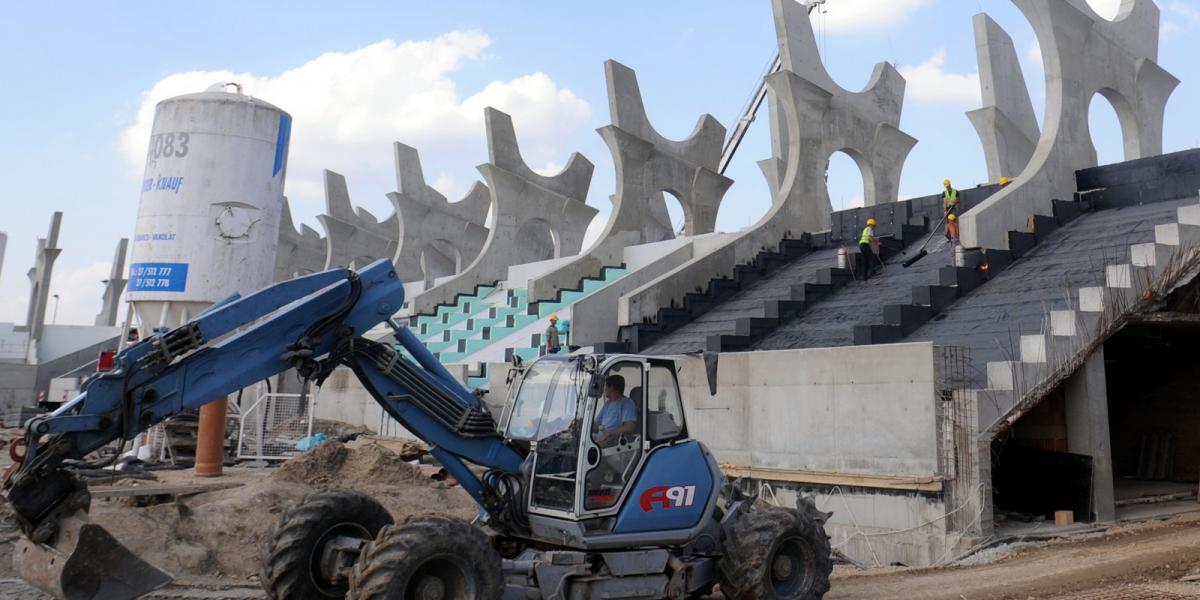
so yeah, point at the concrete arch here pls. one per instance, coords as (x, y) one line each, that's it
(440, 258)
(518, 196)
(537, 241)
(1127, 118)
(1084, 54)
(811, 118)
(647, 165)
(429, 223)
(865, 171)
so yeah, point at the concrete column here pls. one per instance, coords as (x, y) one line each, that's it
(1087, 430)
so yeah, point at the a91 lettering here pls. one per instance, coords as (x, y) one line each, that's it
(168, 145)
(668, 496)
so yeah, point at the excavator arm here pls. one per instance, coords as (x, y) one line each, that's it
(313, 324)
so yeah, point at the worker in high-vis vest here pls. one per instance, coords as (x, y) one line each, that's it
(870, 261)
(949, 199)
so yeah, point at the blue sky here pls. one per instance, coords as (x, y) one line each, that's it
(82, 78)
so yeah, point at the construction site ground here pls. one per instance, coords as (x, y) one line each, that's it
(210, 540)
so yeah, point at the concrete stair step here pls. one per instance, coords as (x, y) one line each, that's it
(937, 297)
(1189, 215)
(865, 335)
(1020, 243)
(1099, 299)
(698, 304)
(833, 277)
(1178, 234)
(1073, 323)
(727, 343)
(810, 292)
(754, 326)
(965, 279)
(1065, 211)
(783, 309)
(1043, 226)
(1014, 375)
(996, 261)
(908, 317)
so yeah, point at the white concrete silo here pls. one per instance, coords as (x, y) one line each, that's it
(211, 196)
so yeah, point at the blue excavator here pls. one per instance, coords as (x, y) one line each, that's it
(587, 482)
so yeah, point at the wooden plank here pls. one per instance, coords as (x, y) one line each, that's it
(158, 489)
(887, 482)
(1166, 319)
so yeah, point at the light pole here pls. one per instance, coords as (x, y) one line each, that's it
(54, 319)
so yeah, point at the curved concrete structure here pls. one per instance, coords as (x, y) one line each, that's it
(355, 236)
(114, 286)
(437, 237)
(535, 217)
(811, 118)
(1084, 54)
(299, 252)
(647, 164)
(1006, 125)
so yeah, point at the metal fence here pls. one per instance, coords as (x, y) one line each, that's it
(273, 424)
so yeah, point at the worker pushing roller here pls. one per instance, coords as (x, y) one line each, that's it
(866, 245)
(950, 206)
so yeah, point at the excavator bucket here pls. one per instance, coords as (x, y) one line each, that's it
(86, 563)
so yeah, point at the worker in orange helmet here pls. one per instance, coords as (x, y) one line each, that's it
(952, 233)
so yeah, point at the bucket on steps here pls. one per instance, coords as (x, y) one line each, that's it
(841, 258)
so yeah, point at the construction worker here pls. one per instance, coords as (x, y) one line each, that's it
(952, 233)
(552, 344)
(865, 247)
(950, 206)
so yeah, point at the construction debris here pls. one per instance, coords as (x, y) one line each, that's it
(219, 532)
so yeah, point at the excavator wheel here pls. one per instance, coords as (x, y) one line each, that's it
(295, 548)
(774, 553)
(428, 558)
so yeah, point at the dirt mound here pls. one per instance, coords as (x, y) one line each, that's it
(333, 462)
(221, 532)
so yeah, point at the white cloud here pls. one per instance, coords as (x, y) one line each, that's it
(1109, 9)
(80, 294)
(929, 83)
(594, 229)
(1034, 52)
(549, 169)
(1179, 17)
(349, 106)
(863, 15)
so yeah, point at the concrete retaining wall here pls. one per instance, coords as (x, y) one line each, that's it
(1154, 179)
(881, 528)
(865, 410)
(857, 414)
(16, 387)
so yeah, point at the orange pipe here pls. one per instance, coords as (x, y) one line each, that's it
(210, 439)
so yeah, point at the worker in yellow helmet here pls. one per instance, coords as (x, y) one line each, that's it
(865, 242)
(552, 343)
(950, 205)
(1003, 181)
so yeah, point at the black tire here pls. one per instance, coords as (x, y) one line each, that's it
(773, 553)
(292, 550)
(428, 557)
